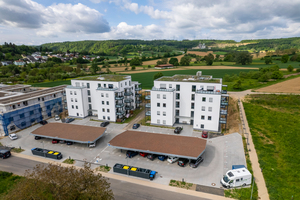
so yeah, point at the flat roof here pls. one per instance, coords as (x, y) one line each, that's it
(29, 95)
(13, 87)
(161, 144)
(105, 77)
(70, 132)
(190, 78)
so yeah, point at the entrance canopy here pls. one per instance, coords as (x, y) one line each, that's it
(160, 144)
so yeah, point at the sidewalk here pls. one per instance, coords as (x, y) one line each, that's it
(132, 180)
(259, 178)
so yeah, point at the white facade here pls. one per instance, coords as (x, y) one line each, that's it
(187, 99)
(110, 97)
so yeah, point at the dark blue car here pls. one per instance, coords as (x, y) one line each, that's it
(131, 154)
(162, 158)
(135, 126)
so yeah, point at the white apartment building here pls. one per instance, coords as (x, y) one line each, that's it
(110, 97)
(189, 99)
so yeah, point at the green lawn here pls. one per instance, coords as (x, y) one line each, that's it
(274, 122)
(220, 53)
(7, 180)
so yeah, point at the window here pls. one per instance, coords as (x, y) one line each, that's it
(43, 99)
(177, 95)
(108, 118)
(104, 85)
(158, 121)
(71, 99)
(106, 95)
(77, 84)
(76, 107)
(203, 99)
(31, 112)
(177, 87)
(125, 83)
(164, 121)
(89, 99)
(158, 112)
(164, 105)
(203, 108)
(103, 117)
(75, 93)
(39, 99)
(163, 86)
(209, 109)
(237, 180)
(54, 95)
(77, 114)
(210, 99)
(102, 95)
(192, 113)
(158, 96)
(202, 117)
(103, 109)
(75, 100)
(110, 86)
(202, 125)
(193, 88)
(193, 97)
(209, 118)
(107, 103)
(170, 85)
(177, 104)
(90, 106)
(72, 106)
(158, 104)
(192, 105)
(177, 112)
(71, 93)
(164, 96)
(164, 113)
(102, 102)
(99, 84)
(25, 103)
(89, 92)
(107, 110)
(22, 115)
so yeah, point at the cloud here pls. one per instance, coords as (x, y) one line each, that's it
(52, 20)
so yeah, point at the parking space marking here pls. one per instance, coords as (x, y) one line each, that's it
(104, 149)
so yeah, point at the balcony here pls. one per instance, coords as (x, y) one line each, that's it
(138, 95)
(120, 113)
(138, 89)
(128, 100)
(128, 107)
(65, 101)
(223, 112)
(148, 97)
(64, 94)
(224, 91)
(138, 101)
(119, 97)
(208, 92)
(148, 105)
(148, 113)
(223, 120)
(107, 89)
(128, 93)
(119, 105)
(66, 108)
(224, 103)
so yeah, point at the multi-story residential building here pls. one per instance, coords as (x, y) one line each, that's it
(110, 97)
(189, 99)
(20, 107)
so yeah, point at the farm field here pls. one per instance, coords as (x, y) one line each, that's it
(289, 86)
(51, 84)
(274, 123)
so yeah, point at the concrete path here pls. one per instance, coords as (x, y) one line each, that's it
(136, 120)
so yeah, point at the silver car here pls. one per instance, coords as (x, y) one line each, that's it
(13, 136)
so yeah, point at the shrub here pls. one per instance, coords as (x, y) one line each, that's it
(149, 66)
(277, 75)
(298, 70)
(133, 68)
(290, 68)
(284, 58)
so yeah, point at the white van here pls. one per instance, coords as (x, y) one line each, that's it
(236, 178)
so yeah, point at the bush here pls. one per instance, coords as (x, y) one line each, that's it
(149, 66)
(284, 58)
(133, 68)
(290, 68)
(237, 84)
(298, 70)
(264, 77)
(277, 75)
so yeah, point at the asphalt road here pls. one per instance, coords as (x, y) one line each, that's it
(121, 189)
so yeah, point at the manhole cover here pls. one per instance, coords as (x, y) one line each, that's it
(213, 184)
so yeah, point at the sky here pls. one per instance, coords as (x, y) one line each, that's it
(34, 22)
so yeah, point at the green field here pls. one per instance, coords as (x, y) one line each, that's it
(51, 84)
(274, 123)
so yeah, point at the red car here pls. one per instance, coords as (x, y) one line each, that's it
(143, 154)
(54, 141)
(204, 134)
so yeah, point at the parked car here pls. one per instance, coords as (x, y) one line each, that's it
(172, 159)
(162, 158)
(182, 162)
(55, 141)
(56, 118)
(131, 154)
(204, 134)
(143, 154)
(43, 122)
(91, 145)
(62, 141)
(104, 124)
(195, 163)
(69, 120)
(178, 129)
(13, 136)
(4, 153)
(37, 137)
(136, 126)
(70, 143)
(151, 156)
(12, 128)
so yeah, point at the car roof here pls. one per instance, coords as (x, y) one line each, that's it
(4, 151)
(13, 134)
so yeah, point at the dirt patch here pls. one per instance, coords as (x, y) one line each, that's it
(233, 119)
(289, 86)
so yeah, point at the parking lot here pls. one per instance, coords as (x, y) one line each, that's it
(221, 153)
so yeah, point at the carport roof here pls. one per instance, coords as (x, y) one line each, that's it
(70, 132)
(161, 144)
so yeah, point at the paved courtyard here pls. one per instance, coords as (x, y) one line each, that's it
(221, 153)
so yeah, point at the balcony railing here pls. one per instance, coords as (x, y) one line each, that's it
(138, 89)
(208, 92)
(224, 91)
(107, 89)
(224, 103)
(120, 113)
(148, 113)
(148, 97)
(223, 112)
(66, 108)
(119, 97)
(163, 89)
(148, 105)
(138, 95)
(138, 101)
(128, 93)
(223, 120)
(128, 107)
(119, 105)
(128, 100)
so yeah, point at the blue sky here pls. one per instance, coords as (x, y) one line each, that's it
(35, 22)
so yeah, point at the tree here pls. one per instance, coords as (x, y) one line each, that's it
(136, 61)
(237, 84)
(94, 68)
(173, 61)
(290, 68)
(185, 50)
(268, 60)
(277, 75)
(243, 57)
(185, 61)
(157, 75)
(56, 182)
(285, 58)
(133, 68)
(209, 59)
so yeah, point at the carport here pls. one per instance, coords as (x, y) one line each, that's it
(160, 144)
(70, 132)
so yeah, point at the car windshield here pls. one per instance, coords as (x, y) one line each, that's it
(226, 179)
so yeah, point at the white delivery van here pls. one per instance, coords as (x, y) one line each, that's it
(236, 178)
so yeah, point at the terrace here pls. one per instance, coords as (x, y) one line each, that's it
(190, 78)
